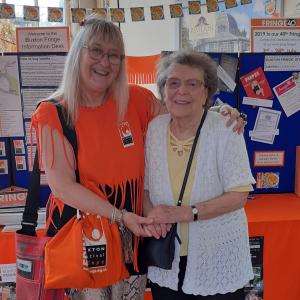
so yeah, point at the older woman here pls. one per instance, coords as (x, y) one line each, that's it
(213, 260)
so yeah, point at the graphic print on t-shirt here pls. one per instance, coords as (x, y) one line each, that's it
(126, 135)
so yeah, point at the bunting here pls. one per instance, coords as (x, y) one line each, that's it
(158, 12)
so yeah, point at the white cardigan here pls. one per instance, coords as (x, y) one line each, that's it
(218, 251)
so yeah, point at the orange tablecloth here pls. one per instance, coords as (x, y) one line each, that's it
(277, 218)
(7, 247)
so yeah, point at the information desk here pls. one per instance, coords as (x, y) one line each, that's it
(277, 218)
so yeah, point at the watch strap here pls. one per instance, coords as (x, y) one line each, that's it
(195, 214)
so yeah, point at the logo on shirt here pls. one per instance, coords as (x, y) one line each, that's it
(126, 135)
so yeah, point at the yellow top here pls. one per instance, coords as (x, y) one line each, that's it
(178, 156)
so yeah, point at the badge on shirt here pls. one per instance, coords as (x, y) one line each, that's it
(126, 135)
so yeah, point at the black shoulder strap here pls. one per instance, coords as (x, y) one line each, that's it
(70, 134)
(30, 214)
(188, 168)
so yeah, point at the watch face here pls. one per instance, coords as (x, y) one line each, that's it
(194, 210)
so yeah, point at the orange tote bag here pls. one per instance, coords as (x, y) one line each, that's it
(85, 253)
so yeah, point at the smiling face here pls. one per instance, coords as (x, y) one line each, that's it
(185, 92)
(98, 75)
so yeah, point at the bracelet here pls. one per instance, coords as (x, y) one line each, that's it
(113, 216)
(120, 220)
(117, 216)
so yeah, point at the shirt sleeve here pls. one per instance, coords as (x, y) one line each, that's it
(243, 188)
(46, 114)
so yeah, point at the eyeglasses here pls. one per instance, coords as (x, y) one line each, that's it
(190, 84)
(98, 54)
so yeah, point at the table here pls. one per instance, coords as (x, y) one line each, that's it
(277, 218)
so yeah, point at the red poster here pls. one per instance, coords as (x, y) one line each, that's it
(256, 85)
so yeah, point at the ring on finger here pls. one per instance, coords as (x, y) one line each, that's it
(243, 116)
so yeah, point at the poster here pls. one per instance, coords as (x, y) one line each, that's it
(266, 126)
(42, 71)
(11, 123)
(43, 39)
(9, 84)
(255, 289)
(275, 35)
(202, 26)
(227, 72)
(256, 84)
(269, 158)
(288, 96)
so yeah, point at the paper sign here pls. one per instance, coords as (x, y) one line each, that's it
(8, 272)
(31, 150)
(282, 63)
(266, 122)
(263, 133)
(11, 123)
(287, 95)
(12, 198)
(10, 98)
(2, 149)
(275, 35)
(20, 163)
(43, 39)
(229, 64)
(202, 26)
(256, 85)
(267, 180)
(224, 76)
(269, 158)
(257, 102)
(19, 147)
(3, 167)
(42, 71)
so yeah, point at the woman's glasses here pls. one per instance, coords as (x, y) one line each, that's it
(190, 84)
(98, 54)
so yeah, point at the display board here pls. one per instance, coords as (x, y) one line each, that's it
(5, 168)
(228, 77)
(270, 96)
(30, 77)
(265, 86)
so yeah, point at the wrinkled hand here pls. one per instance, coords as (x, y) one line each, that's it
(163, 214)
(158, 230)
(136, 224)
(234, 115)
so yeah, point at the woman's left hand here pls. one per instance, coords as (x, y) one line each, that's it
(135, 224)
(234, 115)
(164, 214)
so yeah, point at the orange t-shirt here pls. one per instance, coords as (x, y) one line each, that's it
(110, 154)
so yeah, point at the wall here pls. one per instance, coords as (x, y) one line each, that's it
(148, 37)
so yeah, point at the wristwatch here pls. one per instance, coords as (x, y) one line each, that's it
(195, 212)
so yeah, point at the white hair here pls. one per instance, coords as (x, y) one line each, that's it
(94, 27)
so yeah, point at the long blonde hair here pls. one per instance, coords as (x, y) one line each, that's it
(68, 91)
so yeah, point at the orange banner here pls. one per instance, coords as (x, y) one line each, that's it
(142, 69)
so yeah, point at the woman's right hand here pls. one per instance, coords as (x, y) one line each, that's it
(158, 230)
(136, 224)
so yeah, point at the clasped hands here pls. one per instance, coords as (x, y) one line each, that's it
(158, 221)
